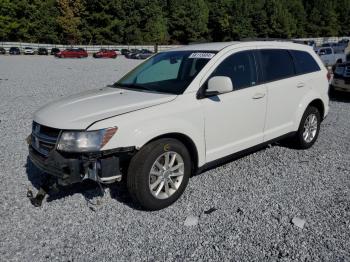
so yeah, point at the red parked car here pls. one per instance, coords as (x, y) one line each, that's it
(104, 53)
(72, 53)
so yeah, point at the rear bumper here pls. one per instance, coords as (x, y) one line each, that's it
(74, 168)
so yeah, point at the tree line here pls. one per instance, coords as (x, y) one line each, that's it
(169, 21)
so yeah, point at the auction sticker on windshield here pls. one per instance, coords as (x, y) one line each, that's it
(201, 55)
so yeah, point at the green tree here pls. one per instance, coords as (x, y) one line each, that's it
(343, 10)
(260, 19)
(219, 20)
(298, 15)
(154, 24)
(101, 22)
(240, 19)
(169, 21)
(8, 25)
(188, 20)
(280, 21)
(70, 20)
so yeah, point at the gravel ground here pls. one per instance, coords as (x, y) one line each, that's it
(239, 211)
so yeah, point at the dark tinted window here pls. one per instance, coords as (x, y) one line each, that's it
(276, 64)
(304, 62)
(240, 68)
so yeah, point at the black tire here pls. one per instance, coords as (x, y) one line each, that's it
(138, 177)
(299, 140)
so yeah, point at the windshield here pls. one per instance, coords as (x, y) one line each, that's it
(169, 72)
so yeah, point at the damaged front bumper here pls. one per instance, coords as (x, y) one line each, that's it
(105, 166)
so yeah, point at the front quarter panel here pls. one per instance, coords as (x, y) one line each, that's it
(182, 115)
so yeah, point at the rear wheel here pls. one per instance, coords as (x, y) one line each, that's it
(309, 128)
(158, 174)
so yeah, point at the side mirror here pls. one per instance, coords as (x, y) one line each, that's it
(219, 85)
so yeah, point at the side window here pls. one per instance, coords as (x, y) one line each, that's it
(304, 62)
(240, 67)
(276, 64)
(328, 51)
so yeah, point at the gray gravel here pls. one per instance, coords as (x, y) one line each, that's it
(244, 208)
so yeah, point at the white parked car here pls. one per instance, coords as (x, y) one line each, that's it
(28, 51)
(329, 57)
(181, 112)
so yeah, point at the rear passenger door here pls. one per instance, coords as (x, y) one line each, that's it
(286, 87)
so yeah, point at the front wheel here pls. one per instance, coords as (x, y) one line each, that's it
(158, 174)
(309, 128)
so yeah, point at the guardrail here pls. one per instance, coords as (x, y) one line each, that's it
(94, 48)
(88, 48)
(321, 40)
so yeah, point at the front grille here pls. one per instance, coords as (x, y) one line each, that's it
(44, 138)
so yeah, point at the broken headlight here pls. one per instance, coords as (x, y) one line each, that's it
(85, 141)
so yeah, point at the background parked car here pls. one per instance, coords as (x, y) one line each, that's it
(117, 51)
(42, 51)
(344, 43)
(132, 53)
(337, 47)
(14, 51)
(29, 51)
(54, 51)
(341, 78)
(144, 54)
(329, 57)
(2, 51)
(306, 42)
(105, 53)
(125, 51)
(72, 53)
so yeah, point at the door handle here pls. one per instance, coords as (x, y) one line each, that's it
(300, 85)
(259, 96)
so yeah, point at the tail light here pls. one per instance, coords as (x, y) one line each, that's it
(329, 76)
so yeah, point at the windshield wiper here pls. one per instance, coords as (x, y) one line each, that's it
(133, 86)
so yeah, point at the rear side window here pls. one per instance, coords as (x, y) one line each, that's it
(240, 67)
(304, 62)
(276, 64)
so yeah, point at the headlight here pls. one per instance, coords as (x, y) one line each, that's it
(86, 141)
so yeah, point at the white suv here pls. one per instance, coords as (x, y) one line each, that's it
(180, 112)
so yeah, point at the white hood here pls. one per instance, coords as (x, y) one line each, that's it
(80, 111)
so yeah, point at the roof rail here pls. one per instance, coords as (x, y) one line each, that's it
(248, 39)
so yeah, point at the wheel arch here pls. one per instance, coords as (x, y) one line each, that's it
(319, 105)
(189, 144)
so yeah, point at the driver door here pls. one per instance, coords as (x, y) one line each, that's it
(235, 121)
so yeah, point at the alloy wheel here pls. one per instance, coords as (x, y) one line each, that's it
(166, 175)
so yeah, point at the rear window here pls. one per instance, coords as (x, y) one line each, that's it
(276, 64)
(304, 62)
